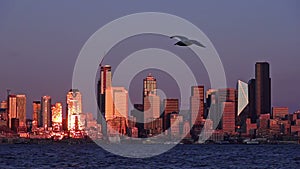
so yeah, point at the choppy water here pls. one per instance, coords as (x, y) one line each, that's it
(181, 156)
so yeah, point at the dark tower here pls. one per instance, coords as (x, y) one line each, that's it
(262, 88)
(251, 98)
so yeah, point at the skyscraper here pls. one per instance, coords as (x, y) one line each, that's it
(262, 88)
(149, 86)
(197, 104)
(223, 103)
(57, 116)
(46, 112)
(12, 109)
(103, 84)
(21, 109)
(242, 105)
(116, 103)
(36, 115)
(74, 109)
(151, 103)
(170, 106)
(242, 96)
(252, 101)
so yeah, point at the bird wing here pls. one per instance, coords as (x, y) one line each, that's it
(197, 43)
(180, 38)
(181, 43)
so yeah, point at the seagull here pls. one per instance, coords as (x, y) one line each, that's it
(184, 41)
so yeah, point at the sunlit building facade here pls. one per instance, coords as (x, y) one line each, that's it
(46, 112)
(103, 84)
(12, 109)
(151, 103)
(74, 109)
(36, 115)
(21, 109)
(197, 104)
(170, 106)
(116, 103)
(57, 116)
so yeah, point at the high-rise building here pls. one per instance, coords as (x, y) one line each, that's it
(36, 115)
(151, 101)
(103, 84)
(46, 112)
(57, 116)
(12, 109)
(262, 88)
(116, 103)
(197, 104)
(21, 109)
(149, 86)
(242, 97)
(170, 106)
(74, 109)
(252, 101)
(222, 107)
(242, 106)
(176, 124)
(228, 118)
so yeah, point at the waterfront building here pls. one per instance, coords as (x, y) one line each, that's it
(197, 104)
(280, 112)
(74, 109)
(12, 109)
(46, 112)
(151, 105)
(176, 124)
(21, 109)
(36, 115)
(57, 116)
(170, 106)
(262, 88)
(103, 84)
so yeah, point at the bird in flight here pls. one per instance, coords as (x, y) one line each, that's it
(184, 41)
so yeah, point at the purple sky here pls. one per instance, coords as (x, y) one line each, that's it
(40, 41)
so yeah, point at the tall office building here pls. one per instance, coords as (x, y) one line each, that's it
(21, 109)
(197, 104)
(243, 97)
(12, 109)
(46, 112)
(228, 118)
(242, 106)
(222, 107)
(262, 88)
(116, 103)
(103, 84)
(151, 102)
(56, 113)
(74, 109)
(149, 86)
(252, 101)
(36, 115)
(57, 116)
(170, 106)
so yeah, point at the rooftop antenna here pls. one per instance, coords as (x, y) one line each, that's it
(8, 92)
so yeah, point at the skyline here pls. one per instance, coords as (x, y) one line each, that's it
(250, 38)
(152, 86)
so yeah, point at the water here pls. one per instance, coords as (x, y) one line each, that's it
(181, 156)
